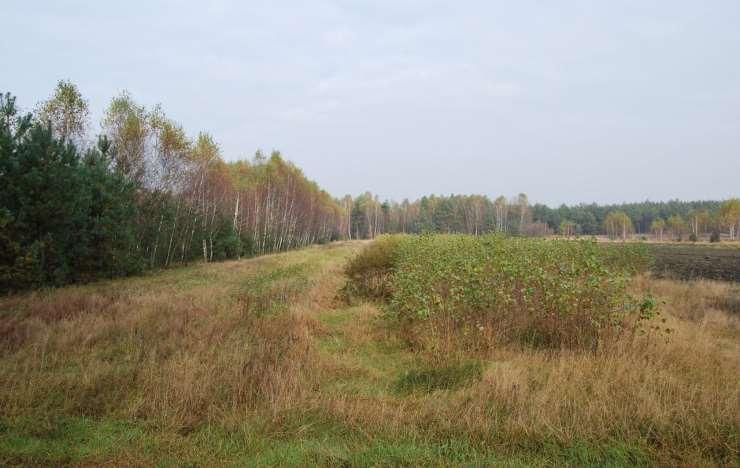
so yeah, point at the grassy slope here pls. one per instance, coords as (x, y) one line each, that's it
(256, 362)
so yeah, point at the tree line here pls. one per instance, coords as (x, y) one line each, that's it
(143, 194)
(366, 216)
(673, 219)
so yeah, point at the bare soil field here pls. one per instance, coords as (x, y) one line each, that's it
(688, 261)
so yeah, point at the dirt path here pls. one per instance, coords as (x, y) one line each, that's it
(353, 337)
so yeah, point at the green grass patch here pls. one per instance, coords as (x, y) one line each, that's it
(614, 453)
(26, 441)
(429, 379)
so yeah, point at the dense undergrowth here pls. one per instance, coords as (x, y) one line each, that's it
(543, 293)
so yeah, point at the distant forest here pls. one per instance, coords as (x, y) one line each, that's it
(143, 194)
(476, 214)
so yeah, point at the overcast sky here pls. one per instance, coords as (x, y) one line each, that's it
(568, 101)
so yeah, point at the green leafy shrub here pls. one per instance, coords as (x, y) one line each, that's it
(539, 292)
(630, 258)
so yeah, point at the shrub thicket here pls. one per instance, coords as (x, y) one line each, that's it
(539, 292)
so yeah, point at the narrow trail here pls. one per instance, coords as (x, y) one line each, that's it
(353, 337)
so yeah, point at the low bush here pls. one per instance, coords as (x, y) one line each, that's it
(542, 293)
(369, 272)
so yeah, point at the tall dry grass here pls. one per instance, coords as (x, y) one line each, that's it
(177, 357)
(190, 348)
(673, 398)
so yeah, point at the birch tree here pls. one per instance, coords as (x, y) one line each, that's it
(66, 111)
(658, 227)
(729, 216)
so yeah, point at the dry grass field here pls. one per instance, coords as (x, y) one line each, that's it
(261, 362)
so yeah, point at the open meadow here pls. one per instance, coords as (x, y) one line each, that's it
(360, 234)
(444, 350)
